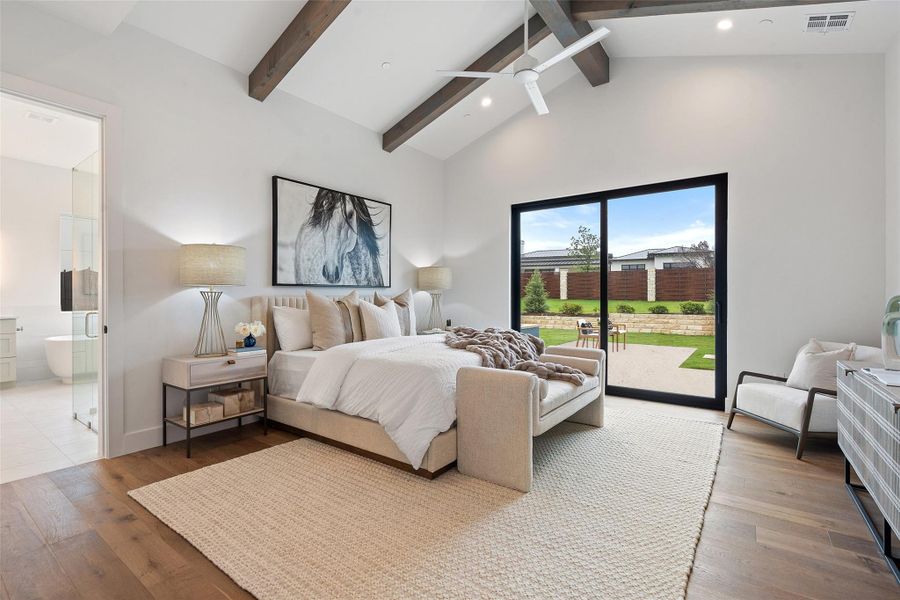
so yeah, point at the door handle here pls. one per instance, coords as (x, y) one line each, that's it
(87, 317)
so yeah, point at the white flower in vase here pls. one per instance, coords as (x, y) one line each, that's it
(257, 329)
(242, 329)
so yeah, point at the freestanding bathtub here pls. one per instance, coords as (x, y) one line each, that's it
(67, 354)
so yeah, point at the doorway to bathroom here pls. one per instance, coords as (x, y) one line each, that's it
(51, 288)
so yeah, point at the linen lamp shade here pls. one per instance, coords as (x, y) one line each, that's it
(433, 279)
(212, 265)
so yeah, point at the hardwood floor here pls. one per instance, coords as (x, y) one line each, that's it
(776, 528)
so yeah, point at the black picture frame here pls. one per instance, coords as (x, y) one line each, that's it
(277, 268)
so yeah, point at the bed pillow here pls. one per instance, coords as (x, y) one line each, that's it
(379, 321)
(406, 310)
(292, 327)
(816, 367)
(327, 322)
(350, 309)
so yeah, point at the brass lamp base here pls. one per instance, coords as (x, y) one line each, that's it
(211, 341)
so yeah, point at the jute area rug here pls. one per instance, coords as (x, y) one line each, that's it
(614, 513)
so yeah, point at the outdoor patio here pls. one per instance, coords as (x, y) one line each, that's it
(657, 368)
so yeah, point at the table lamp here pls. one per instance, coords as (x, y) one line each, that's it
(210, 265)
(435, 280)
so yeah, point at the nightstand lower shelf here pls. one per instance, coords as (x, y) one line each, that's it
(188, 427)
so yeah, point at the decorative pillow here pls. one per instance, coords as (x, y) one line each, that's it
(293, 328)
(328, 326)
(406, 310)
(379, 321)
(350, 309)
(816, 367)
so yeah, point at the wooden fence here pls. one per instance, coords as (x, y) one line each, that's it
(685, 284)
(671, 284)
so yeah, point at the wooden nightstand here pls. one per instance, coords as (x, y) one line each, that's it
(190, 374)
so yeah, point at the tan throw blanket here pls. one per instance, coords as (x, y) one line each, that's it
(510, 349)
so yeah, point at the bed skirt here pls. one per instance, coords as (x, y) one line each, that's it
(359, 435)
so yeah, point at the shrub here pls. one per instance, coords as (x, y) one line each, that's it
(571, 309)
(535, 294)
(711, 303)
(625, 308)
(693, 308)
(659, 309)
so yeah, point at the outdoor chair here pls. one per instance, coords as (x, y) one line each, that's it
(618, 331)
(796, 411)
(587, 333)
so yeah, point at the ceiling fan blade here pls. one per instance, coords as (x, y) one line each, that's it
(473, 74)
(534, 92)
(588, 40)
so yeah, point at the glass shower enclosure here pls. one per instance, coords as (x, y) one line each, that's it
(83, 287)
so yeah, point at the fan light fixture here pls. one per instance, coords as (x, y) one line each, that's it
(527, 69)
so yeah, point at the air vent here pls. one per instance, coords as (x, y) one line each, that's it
(42, 117)
(828, 23)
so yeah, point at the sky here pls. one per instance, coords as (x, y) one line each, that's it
(681, 217)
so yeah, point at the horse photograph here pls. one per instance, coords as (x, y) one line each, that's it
(323, 237)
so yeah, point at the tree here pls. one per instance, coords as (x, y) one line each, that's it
(585, 248)
(700, 256)
(536, 294)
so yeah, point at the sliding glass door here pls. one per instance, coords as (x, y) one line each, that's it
(655, 301)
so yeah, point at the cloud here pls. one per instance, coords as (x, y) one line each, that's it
(697, 232)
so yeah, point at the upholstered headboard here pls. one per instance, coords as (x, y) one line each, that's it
(261, 310)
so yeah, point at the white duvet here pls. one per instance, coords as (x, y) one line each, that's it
(407, 384)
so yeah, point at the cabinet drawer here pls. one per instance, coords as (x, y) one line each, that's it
(8, 326)
(229, 368)
(7, 345)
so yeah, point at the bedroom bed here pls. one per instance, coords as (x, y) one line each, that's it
(288, 371)
(396, 399)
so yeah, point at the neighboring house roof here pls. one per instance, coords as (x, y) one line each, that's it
(563, 258)
(651, 252)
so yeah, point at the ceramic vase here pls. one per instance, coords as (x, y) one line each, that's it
(249, 341)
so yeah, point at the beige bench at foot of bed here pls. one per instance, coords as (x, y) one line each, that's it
(498, 412)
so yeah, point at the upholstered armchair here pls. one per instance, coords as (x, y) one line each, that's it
(768, 399)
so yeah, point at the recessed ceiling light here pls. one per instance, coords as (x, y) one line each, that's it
(486, 101)
(766, 22)
(385, 65)
(724, 24)
(467, 115)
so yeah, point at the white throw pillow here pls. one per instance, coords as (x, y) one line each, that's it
(406, 310)
(292, 327)
(379, 321)
(816, 368)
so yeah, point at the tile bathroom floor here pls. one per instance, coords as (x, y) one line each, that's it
(38, 433)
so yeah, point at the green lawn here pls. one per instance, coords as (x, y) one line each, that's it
(592, 307)
(704, 344)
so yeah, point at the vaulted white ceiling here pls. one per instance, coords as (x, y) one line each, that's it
(343, 71)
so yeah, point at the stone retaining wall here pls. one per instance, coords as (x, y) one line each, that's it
(641, 323)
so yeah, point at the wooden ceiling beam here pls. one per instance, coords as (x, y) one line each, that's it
(307, 27)
(590, 10)
(495, 59)
(593, 61)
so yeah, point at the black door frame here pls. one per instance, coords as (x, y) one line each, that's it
(720, 183)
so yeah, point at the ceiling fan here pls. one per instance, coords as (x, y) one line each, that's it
(526, 70)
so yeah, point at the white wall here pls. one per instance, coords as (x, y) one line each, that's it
(198, 156)
(801, 138)
(32, 198)
(892, 168)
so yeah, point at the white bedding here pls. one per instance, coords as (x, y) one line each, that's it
(287, 370)
(407, 384)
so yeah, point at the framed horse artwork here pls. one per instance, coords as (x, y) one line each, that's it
(322, 237)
